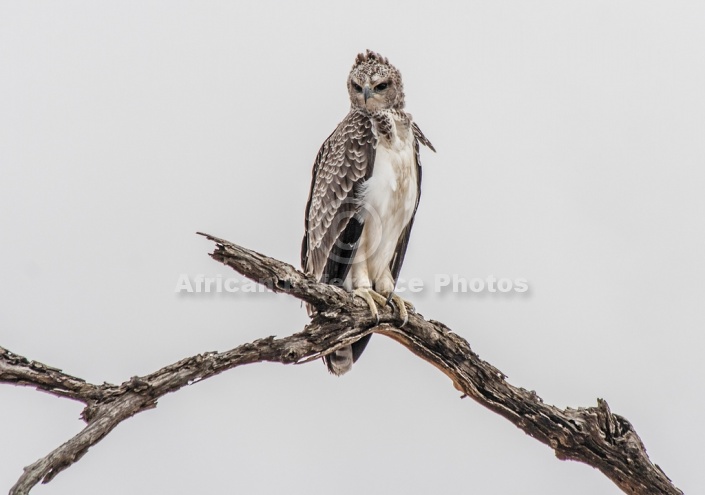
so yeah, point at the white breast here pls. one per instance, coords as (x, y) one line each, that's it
(389, 198)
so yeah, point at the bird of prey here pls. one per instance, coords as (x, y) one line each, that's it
(364, 193)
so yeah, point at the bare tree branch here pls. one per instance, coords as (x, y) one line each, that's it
(592, 435)
(20, 371)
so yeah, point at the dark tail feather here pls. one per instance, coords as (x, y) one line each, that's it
(359, 346)
(341, 361)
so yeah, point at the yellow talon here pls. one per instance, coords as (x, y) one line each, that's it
(401, 305)
(370, 297)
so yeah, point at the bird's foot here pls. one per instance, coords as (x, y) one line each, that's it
(401, 305)
(372, 298)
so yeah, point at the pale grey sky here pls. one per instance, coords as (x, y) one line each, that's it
(570, 153)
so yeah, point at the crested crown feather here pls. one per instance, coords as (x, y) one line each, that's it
(369, 56)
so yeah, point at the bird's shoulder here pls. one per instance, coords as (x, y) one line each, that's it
(350, 145)
(356, 128)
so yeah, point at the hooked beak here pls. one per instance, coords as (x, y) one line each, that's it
(366, 93)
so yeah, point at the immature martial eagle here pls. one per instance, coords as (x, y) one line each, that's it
(364, 194)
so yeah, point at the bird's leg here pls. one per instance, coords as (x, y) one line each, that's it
(372, 298)
(362, 285)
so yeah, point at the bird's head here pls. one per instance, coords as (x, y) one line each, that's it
(374, 84)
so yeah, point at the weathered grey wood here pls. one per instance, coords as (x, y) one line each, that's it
(592, 435)
(21, 371)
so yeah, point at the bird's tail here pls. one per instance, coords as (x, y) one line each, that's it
(341, 361)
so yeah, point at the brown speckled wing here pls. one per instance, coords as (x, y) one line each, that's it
(422, 139)
(343, 163)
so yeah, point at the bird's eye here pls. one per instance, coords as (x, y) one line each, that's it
(381, 87)
(357, 87)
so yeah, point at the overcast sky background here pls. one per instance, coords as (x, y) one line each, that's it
(571, 152)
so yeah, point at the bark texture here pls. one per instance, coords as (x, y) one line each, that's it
(592, 435)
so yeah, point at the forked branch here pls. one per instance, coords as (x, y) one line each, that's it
(592, 435)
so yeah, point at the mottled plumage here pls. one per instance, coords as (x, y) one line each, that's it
(365, 190)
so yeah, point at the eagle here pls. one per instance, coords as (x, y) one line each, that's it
(365, 189)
